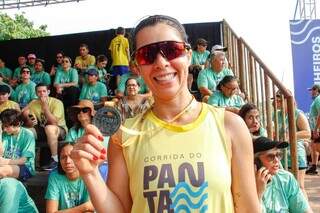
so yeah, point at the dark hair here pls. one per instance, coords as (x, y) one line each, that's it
(41, 85)
(101, 58)
(84, 45)
(246, 108)
(41, 61)
(132, 78)
(61, 145)
(24, 67)
(226, 79)
(156, 19)
(120, 31)
(68, 58)
(60, 52)
(11, 117)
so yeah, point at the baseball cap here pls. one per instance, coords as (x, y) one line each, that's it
(31, 55)
(92, 71)
(264, 144)
(315, 87)
(4, 89)
(218, 47)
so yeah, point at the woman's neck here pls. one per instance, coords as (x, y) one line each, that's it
(177, 110)
(73, 176)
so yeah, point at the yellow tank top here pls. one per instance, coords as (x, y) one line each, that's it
(179, 168)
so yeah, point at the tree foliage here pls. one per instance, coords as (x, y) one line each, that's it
(19, 28)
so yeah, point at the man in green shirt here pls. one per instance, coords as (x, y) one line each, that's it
(5, 71)
(314, 120)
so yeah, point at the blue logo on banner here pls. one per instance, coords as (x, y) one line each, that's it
(305, 43)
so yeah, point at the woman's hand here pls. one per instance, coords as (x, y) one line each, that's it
(88, 152)
(262, 178)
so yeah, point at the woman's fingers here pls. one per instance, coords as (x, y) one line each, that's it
(92, 145)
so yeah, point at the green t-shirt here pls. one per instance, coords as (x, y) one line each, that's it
(75, 133)
(199, 58)
(66, 76)
(6, 72)
(14, 197)
(41, 77)
(210, 79)
(122, 84)
(68, 193)
(93, 92)
(283, 194)
(16, 73)
(21, 145)
(314, 112)
(24, 93)
(218, 99)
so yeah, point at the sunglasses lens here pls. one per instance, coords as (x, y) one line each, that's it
(85, 110)
(169, 49)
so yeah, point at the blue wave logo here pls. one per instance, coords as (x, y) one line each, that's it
(184, 199)
(301, 30)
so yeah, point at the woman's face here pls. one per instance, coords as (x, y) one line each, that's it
(132, 87)
(166, 79)
(66, 63)
(201, 47)
(84, 114)
(66, 162)
(271, 160)
(218, 62)
(252, 119)
(230, 88)
(10, 129)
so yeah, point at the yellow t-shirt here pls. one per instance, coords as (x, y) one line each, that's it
(9, 105)
(55, 107)
(179, 168)
(119, 47)
(85, 63)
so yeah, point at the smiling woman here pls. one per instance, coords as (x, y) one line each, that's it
(214, 146)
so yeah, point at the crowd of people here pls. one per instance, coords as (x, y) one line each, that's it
(182, 145)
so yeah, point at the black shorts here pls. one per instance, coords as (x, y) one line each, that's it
(24, 173)
(41, 133)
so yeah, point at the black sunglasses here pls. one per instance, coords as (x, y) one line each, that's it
(84, 110)
(169, 49)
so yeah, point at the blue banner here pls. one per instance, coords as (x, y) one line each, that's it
(305, 44)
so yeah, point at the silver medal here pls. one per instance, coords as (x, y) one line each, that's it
(107, 120)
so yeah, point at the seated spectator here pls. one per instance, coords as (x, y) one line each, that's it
(277, 189)
(100, 66)
(22, 61)
(66, 83)
(303, 134)
(40, 76)
(120, 54)
(31, 62)
(14, 197)
(132, 103)
(209, 78)
(227, 96)
(5, 72)
(200, 53)
(5, 103)
(46, 116)
(25, 91)
(66, 190)
(143, 88)
(58, 64)
(93, 89)
(84, 60)
(82, 115)
(17, 148)
(251, 116)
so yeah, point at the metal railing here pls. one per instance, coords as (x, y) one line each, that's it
(261, 86)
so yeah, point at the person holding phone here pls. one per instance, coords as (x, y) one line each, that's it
(277, 189)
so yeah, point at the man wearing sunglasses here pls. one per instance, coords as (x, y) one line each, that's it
(277, 189)
(46, 116)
